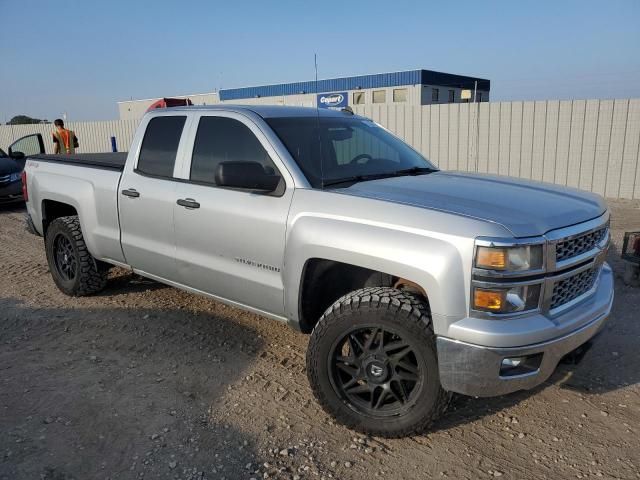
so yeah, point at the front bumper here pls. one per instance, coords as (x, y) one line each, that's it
(475, 370)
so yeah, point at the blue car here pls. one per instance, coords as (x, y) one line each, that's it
(12, 164)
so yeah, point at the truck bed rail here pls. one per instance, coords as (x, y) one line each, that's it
(111, 161)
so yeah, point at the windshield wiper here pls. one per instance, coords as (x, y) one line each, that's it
(378, 176)
(354, 179)
(413, 171)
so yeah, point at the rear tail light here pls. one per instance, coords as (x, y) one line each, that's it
(25, 193)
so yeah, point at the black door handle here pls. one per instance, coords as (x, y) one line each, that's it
(188, 203)
(131, 192)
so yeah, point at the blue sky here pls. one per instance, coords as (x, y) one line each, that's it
(80, 57)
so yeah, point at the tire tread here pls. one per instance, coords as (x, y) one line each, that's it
(405, 304)
(92, 276)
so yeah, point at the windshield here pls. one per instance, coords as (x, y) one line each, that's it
(352, 149)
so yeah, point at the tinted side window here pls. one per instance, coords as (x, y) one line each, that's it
(221, 139)
(160, 146)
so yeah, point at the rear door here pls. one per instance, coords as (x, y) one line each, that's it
(232, 244)
(147, 195)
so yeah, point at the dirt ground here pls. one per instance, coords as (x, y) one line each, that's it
(146, 381)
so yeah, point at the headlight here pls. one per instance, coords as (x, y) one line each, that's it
(506, 300)
(14, 177)
(509, 259)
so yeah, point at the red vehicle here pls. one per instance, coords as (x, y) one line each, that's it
(169, 102)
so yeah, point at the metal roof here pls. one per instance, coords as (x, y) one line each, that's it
(378, 80)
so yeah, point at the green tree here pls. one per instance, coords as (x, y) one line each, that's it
(24, 119)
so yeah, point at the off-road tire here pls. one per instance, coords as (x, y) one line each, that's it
(90, 274)
(405, 313)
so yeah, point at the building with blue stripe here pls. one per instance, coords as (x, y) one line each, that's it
(424, 78)
(411, 87)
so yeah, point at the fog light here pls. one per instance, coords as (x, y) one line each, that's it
(512, 366)
(512, 362)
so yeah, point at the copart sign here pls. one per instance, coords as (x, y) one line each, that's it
(333, 100)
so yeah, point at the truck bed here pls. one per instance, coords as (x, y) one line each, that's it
(112, 161)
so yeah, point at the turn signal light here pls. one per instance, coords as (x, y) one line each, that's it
(492, 300)
(493, 258)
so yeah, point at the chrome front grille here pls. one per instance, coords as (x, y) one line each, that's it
(572, 247)
(572, 287)
(5, 180)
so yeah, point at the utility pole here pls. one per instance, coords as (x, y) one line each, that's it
(475, 139)
(13, 135)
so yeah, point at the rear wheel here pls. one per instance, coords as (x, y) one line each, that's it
(372, 363)
(74, 270)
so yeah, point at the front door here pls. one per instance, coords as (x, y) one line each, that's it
(27, 146)
(146, 197)
(232, 244)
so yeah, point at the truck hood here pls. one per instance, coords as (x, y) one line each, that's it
(526, 208)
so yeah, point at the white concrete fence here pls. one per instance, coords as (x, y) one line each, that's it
(588, 144)
(94, 137)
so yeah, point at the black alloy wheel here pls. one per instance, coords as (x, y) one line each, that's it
(376, 371)
(65, 257)
(73, 269)
(372, 363)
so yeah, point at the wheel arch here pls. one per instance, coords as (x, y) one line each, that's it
(52, 209)
(323, 281)
(56, 205)
(430, 265)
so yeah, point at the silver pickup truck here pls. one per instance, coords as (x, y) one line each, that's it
(413, 282)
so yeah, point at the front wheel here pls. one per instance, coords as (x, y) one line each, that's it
(73, 268)
(372, 363)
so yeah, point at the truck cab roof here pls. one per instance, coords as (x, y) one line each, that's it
(265, 111)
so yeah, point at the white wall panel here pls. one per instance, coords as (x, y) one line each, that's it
(563, 138)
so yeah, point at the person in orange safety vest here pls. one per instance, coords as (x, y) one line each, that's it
(64, 141)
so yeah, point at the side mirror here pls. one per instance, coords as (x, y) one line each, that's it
(247, 175)
(16, 155)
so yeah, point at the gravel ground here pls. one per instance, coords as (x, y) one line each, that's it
(146, 381)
